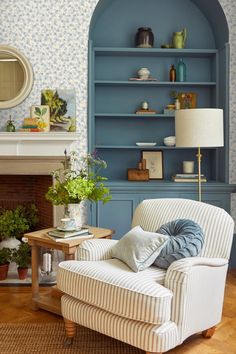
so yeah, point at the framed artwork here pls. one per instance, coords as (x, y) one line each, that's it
(42, 115)
(187, 100)
(154, 163)
(62, 109)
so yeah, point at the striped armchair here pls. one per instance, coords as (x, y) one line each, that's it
(154, 310)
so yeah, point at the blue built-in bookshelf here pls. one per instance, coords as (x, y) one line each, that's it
(114, 128)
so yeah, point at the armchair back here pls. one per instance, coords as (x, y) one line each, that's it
(217, 224)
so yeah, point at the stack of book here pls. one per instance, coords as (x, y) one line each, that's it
(30, 125)
(188, 177)
(62, 236)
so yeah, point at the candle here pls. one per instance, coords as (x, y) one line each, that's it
(47, 262)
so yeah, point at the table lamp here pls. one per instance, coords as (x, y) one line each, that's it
(199, 127)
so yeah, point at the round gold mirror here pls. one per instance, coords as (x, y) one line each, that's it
(16, 77)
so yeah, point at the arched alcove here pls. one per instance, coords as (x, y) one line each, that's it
(114, 23)
(114, 126)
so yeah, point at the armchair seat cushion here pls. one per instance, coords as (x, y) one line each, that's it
(112, 286)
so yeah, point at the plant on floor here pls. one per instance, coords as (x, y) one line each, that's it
(22, 257)
(79, 180)
(5, 258)
(14, 223)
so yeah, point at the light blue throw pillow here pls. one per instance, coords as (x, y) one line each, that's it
(185, 239)
(139, 248)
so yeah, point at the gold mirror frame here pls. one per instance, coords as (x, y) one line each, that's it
(28, 77)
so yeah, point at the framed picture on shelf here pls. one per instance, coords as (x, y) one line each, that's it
(154, 163)
(187, 100)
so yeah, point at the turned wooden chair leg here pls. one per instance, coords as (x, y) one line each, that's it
(70, 328)
(208, 333)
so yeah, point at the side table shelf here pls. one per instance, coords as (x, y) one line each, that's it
(50, 301)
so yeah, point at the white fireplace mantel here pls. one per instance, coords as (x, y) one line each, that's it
(36, 144)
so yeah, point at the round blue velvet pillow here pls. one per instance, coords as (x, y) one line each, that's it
(185, 240)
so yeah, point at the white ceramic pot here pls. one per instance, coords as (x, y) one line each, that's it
(144, 73)
(78, 213)
(11, 242)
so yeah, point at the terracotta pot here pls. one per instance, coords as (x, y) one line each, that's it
(4, 271)
(22, 273)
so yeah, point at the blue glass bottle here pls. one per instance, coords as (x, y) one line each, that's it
(181, 71)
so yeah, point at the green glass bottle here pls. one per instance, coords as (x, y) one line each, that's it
(10, 126)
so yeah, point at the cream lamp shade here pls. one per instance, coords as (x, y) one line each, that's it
(199, 127)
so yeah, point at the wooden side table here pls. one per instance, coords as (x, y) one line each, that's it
(51, 301)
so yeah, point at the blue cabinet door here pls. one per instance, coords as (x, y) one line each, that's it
(116, 214)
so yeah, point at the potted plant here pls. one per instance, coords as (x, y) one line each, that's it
(77, 181)
(5, 258)
(14, 223)
(22, 257)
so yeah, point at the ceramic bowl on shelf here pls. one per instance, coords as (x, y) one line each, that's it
(169, 141)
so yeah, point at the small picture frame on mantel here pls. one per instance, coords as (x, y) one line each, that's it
(154, 163)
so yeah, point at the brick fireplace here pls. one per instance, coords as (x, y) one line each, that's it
(24, 190)
(26, 161)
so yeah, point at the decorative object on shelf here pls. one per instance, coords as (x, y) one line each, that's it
(139, 174)
(10, 128)
(201, 127)
(169, 141)
(145, 109)
(186, 177)
(139, 79)
(145, 105)
(181, 71)
(78, 180)
(22, 258)
(167, 45)
(179, 39)
(177, 104)
(30, 125)
(42, 114)
(154, 163)
(187, 100)
(62, 109)
(188, 167)
(145, 144)
(5, 259)
(144, 38)
(172, 75)
(144, 73)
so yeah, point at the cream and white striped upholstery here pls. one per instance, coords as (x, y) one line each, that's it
(95, 250)
(146, 336)
(138, 296)
(216, 224)
(135, 307)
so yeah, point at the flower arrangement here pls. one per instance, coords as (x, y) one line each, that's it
(78, 180)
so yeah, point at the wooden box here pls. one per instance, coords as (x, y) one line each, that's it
(138, 175)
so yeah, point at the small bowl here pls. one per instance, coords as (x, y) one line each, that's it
(169, 140)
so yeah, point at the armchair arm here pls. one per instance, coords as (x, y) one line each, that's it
(95, 250)
(198, 286)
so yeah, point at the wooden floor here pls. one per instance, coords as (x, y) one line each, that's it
(15, 307)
